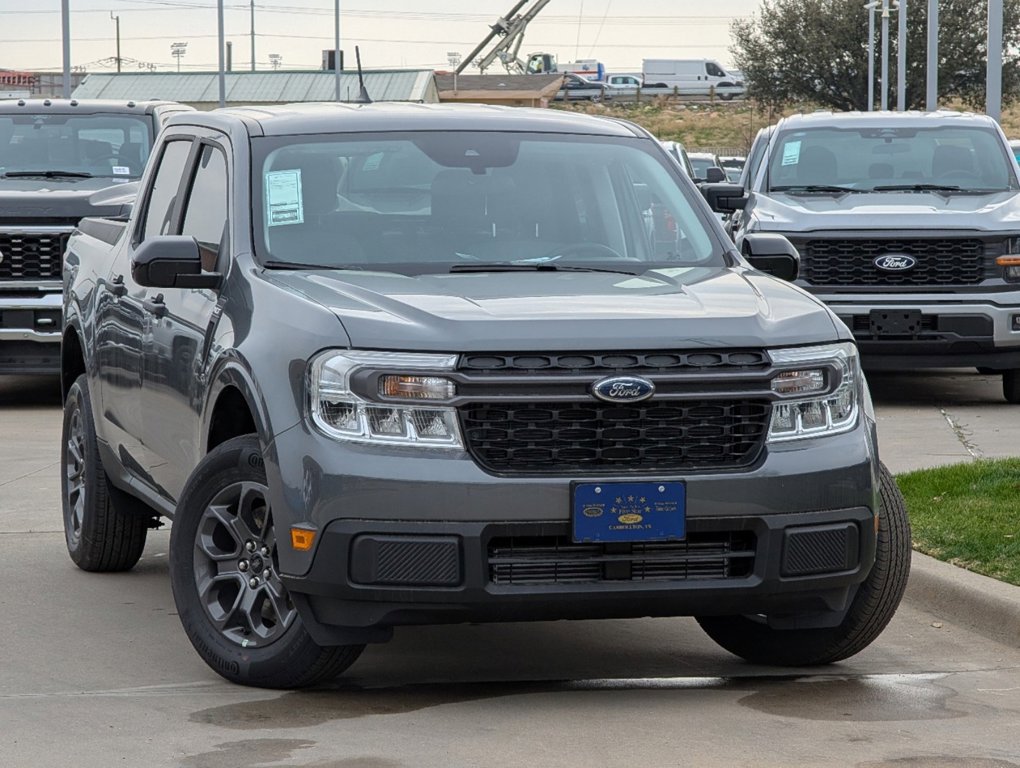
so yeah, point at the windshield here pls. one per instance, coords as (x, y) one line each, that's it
(702, 164)
(114, 146)
(431, 201)
(890, 159)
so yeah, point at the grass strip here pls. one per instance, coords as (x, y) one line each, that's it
(968, 515)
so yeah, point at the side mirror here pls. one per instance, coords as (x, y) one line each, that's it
(724, 198)
(714, 175)
(772, 254)
(171, 261)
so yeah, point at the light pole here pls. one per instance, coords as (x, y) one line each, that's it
(885, 55)
(901, 59)
(336, 50)
(932, 95)
(870, 8)
(177, 50)
(117, 19)
(274, 60)
(65, 21)
(993, 87)
(454, 59)
(221, 47)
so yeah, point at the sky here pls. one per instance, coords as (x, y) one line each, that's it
(391, 33)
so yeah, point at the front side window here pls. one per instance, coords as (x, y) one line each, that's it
(424, 202)
(952, 158)
(714, 69)
(114, 146)
(160, 208)
(206, 213)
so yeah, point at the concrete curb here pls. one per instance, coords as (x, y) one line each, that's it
(989, 607)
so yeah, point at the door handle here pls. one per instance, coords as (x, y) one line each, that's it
(117, 287)
(155, 305)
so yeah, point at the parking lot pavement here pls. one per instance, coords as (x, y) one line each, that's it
(931, 418)
(97, 671)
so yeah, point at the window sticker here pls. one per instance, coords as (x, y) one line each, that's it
(283, 198)
(121, 170)
(791, 153)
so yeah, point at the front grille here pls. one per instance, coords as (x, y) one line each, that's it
(850, 263)
(609, 362)
(557, 560)
(556, 437)
(30, 256)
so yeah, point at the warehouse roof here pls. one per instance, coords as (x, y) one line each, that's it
(260, 87)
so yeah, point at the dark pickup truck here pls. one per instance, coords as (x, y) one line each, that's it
(55, 156)
(389, 365)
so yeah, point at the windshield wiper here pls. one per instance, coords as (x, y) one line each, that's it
(814, 188)
(917, 188)
(49, 174)
(276, 264)
(546, 267)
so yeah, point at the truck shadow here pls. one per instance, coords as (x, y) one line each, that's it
(939, 386)
(21, 391)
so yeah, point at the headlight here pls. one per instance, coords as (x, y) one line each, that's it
(342, 414)
(834, 372)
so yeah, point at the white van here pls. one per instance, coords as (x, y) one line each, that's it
(691, 76)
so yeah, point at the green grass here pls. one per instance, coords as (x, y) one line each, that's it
(968, 515)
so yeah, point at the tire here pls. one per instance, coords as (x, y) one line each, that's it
(1011, 386)
(871, 609)
(224, 571)
(104, 528)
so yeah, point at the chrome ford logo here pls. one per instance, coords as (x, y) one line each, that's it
(623, 389)
(895, 262)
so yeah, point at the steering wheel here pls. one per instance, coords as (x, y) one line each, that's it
(603, 251)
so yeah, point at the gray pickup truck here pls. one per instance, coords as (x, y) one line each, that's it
(388, 365)
(908, 227)
(55, 156)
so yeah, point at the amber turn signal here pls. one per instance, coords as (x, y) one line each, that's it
(1008, 261)
(302, 539)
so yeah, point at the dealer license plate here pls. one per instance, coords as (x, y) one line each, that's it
(608, 512)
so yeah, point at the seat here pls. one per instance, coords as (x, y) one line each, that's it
(129, 155)
(817, 165)
(948, 160)
(880, 171)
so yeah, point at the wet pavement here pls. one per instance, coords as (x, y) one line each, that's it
(97, 672)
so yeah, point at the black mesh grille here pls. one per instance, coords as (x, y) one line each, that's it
(851, 262)
(32, 256)
(557, 560)
(607, 362)
(536, 437)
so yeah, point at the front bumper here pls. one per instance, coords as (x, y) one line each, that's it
(30, 333)
(958, 333)
(409, 537)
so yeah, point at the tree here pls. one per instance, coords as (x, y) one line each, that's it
(817, 50)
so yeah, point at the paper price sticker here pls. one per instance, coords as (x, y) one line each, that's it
(791, 153)
(283, 198)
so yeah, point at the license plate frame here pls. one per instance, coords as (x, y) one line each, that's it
(894, 322)
(620, 512)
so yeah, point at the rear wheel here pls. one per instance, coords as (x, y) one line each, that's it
(1011, 385)
(872, 607)
(104, 528)
(225, 573)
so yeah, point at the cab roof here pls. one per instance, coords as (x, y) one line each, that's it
(884, 119)
(331, 117)
(84, 106)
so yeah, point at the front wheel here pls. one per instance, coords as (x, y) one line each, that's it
(872, 607)
(225, 574)
(1011, 386)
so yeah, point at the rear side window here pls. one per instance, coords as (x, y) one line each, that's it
(166, 183)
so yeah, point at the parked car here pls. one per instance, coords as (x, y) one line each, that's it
(435, 366)
(677, 151)
(908, 227)
(55, 155)
(692, 77)
(702, 162)
(732, 166)
(579, 89)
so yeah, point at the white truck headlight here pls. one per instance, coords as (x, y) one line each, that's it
(833, 371)
(342, 414)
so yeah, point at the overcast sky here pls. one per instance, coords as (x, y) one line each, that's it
(391, 33)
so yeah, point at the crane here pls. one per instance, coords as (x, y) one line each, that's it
(508, 32)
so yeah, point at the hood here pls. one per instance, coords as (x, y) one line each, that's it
(22, 198)
(663, 309)
(887, 210)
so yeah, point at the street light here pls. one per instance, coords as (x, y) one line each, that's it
(454, 58)
(274, 60)
(870, 8)
(177, 50)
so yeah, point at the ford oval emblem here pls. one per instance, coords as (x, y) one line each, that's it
(895, 262)
(623, 389)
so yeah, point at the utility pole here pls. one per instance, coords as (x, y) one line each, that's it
(117, 19)
(252, 35)
(65, 21)
(932, 96)
(885, 55)
(221, 49)
(993, 88)
(870, 8)
(336, 50)
(901, 59)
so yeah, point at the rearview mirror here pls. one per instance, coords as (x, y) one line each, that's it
(772, 254)
(171, 261)
(724, 198)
